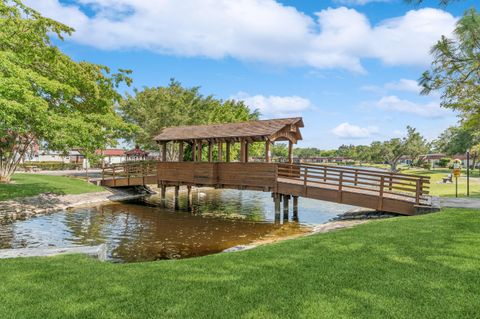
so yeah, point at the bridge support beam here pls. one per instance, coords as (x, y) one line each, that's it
(177, 198)
(163, 192)
(286, 199)
(276, 200)
(295, 208)
(189, 198)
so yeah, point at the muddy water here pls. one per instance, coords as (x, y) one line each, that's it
(220, 219)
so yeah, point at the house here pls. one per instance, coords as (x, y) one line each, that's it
(112, 155)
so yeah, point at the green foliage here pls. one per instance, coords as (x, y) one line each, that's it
(424, 266)
(45, 95)
(456, 140)
(51, 166)
(444, 162)
(391, 151)
(279, 150)
(155, 108)
(455, 70)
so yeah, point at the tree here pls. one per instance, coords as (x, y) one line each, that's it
(458, 140)
(393, 150)
(152, 109)
(47, 97)
(348, 151)
(455, 70)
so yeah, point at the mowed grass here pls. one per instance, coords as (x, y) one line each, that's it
(24, 185)
(411, 267)
(437, 188)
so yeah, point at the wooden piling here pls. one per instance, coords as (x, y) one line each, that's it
(177, 190)
(189, 198)
(286, 199)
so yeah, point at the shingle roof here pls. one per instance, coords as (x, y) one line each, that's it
(250, 129)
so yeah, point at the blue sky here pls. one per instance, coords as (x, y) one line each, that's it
(348, 67)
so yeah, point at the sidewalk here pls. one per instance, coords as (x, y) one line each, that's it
(464, 202)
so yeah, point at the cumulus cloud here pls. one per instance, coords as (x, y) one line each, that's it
(359, 2)
(402, 85)
(275, 106)
(393, 103)
(347, 130)
(252, 30)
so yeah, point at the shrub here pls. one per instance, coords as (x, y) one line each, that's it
(444, 162)
(52, 166)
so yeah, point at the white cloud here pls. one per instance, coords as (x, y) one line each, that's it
(402, 85)
(275, 106)
(347, 130)
(393, 103)
(252, 30)
(359, 2)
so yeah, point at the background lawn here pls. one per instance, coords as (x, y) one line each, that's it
(437, 188)
(25, 185)
(409, 267)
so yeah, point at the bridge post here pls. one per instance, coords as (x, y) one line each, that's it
(276, 200)
(180, 151)
(286, 198)
(210, 151)
(295, 208)
(227, 152)
(189, 198)
(163, 198)
(164, 151)
(176, 200)
(267, 151)
(220, 152)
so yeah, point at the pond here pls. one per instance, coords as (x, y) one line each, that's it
(220, 219)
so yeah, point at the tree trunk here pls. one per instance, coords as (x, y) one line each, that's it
(4, 178)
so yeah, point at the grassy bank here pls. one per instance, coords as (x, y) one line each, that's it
(438, 188)
(24, 185)
(416, 267)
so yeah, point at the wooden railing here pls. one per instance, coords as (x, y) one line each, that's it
(129, 170)
(381, 183)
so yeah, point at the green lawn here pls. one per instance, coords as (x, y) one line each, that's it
(438, 188)
(25, 185)
(411, 267)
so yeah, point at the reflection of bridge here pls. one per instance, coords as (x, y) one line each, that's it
(383, 191)
(183, 147)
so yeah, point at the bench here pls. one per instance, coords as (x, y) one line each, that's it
(447, 179)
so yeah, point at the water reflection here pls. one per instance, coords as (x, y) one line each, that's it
(220, 219)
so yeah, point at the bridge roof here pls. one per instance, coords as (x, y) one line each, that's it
(260, 130)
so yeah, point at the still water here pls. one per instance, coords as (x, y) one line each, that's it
(220, 219)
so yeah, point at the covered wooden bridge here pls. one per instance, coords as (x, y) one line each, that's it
(216, 167)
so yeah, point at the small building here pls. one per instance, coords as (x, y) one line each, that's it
(112, 155)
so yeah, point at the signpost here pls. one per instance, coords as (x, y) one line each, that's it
(468, 173)
(457, 170)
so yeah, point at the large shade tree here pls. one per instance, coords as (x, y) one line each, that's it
(392, 151)
(155, 108)
(458, 140)
(455, 70)
(45, 96)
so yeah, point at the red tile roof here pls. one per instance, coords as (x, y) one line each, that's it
(111, 152)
